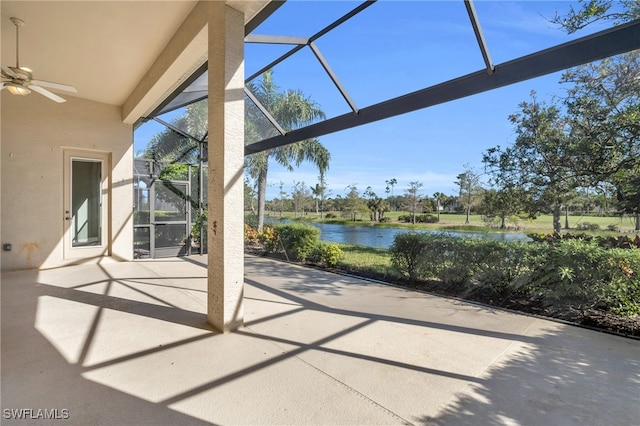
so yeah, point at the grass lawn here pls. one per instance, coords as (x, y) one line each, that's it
(366, 260)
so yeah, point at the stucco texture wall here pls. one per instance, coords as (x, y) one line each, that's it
(34, 133)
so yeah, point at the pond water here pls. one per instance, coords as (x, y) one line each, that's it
(371, 236)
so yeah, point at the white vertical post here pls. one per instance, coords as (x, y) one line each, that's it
(226, 160)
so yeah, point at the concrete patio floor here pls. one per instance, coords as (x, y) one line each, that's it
(127, 344)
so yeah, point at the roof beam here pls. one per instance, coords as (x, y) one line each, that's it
(333, 77)
(264, 111)
(616, 40)
(175, 129)
(475, 23)
(271, 39)
(258, 38)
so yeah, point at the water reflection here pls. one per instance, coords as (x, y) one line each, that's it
(371, 236)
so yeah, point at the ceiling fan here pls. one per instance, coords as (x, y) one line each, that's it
(19, 80)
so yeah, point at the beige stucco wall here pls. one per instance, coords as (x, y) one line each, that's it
(34, 133)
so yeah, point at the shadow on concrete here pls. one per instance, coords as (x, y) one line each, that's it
(553, 383)
(568, 377)
(563, 375)
(36, 376)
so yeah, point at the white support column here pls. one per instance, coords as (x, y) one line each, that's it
(226, 160)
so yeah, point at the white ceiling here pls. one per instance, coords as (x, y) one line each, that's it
(103, 48)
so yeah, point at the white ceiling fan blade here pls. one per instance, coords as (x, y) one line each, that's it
(52, 85)
(8, 72)
(45, 92)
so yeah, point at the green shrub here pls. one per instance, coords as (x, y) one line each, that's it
(587, 226)
(583, 274)
(174, 171)
(385, 220)
(622, 241)
(330, 216)
(407, 253)
(613, 227)
(298, 239)
(420, 218)
(426, 218)
(406, 218)
(490, 264)
(623, 292)
(269, 238)
(326, 253)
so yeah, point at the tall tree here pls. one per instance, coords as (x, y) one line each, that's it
(249, 196)
(352, 205)
(628, 196)
(506, 204)
(300, 196)
(470, 189)
(390, 184)
(413, 198)
(291, 109)
(376, 205)
(541, 159)
(612, 87)
(603, 111)
(281, 195)
(319, 192)
(439, 198)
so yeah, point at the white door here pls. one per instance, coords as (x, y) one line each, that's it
(86, 204)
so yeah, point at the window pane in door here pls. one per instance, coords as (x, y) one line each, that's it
(141, 202)
(86, 203)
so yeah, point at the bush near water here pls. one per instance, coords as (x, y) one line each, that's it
(580, 272)
(297, 241)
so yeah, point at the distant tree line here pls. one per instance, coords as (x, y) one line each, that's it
(499, 208)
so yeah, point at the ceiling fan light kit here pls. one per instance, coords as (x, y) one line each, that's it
(19, 80)
(16, 89)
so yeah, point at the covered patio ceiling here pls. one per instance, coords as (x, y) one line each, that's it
(489, 75)
(103, 48)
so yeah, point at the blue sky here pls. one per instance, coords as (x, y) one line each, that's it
(396, 47)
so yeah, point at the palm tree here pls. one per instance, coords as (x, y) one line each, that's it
(440, 198)
(390, 183)
(291, 109)
(171, 146)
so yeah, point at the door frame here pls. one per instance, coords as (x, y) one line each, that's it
(104, 248)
